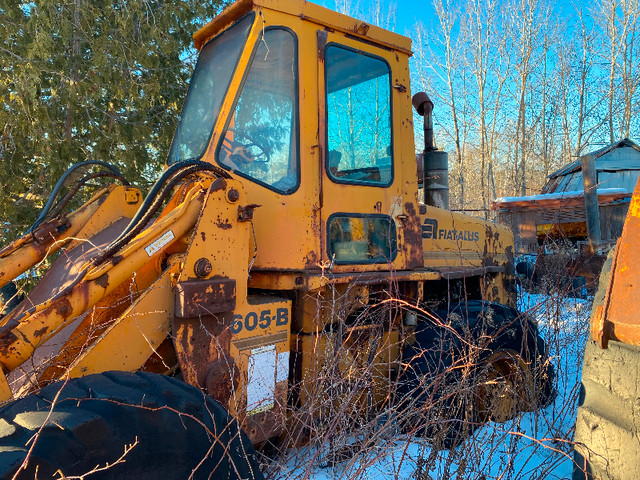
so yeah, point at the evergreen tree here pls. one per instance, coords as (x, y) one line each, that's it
(88, 80)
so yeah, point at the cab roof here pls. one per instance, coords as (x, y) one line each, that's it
(307, 11)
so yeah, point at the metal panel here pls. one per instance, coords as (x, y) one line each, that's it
(205, 297)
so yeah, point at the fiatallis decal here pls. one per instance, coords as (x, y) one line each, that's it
(430, 230)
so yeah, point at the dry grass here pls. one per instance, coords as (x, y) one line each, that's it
(359, 420)
(346, 438)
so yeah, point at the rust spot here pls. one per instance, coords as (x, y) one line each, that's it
(200, 342)
(205, 297)
(509, 265)
(47, 232)
(102, 281)
(322, 42)
(362, 29)
(315, 222)
(163, 357)
(223, 374)
(246, 213)
(233, 195)
(6, 342)
(311, 259)
(203, 236)
(116, 259)
(223, 224)
(218, 184)
(62, 307)
(40, 332)
(412, 237)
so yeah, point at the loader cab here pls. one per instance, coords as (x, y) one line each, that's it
(314, 112)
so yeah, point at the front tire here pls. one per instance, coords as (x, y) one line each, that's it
(476, 362)
(168, 429)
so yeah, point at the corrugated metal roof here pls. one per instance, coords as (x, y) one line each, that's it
(555, 196)
(577, 165)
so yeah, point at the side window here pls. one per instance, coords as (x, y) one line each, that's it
(260, 141)
(357, 238)
(358, 118)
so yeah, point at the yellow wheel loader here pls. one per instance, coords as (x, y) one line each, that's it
(282, 257)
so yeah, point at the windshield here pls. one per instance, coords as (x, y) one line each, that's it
(260, 142)
(209, 84)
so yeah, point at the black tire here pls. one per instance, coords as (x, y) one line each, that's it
(10, 298)
(443, 390)
(607, 440)
(526, 275)
(176, 431)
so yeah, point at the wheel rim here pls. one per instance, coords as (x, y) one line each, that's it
(504, 387)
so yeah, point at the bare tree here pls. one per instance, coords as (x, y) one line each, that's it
(373, 11)
(585, 66)
(490, 62)
(618, 22)
(441, 71)
(524, 26)
(523, 91)
(629, 63)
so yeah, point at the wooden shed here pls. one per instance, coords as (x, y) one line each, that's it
(558, 212)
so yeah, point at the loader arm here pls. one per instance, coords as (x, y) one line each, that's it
(49, 237)
(101, 275)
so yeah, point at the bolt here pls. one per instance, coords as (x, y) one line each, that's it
(233, 195)
(202, 268)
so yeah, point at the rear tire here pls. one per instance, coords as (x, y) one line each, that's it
(607, 424)
(175, 431)
(477, 362)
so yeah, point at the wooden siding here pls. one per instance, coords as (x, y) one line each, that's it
(525, 221)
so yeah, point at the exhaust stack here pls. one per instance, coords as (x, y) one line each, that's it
(433, 165)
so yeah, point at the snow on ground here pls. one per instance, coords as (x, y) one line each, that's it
(533, 446)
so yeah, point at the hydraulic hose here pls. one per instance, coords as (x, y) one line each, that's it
(115, 173)
(154, 200)
(57, 210)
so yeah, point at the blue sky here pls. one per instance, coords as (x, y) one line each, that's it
(408, 12)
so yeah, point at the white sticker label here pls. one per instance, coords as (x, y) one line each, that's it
(282, 368)
(396, 207)
(262, 379)
(159, 243)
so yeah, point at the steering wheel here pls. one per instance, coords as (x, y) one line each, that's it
(244, 152)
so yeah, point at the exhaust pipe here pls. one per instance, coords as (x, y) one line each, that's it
(433, 165)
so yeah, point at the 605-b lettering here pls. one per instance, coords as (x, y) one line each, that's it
(253, 320)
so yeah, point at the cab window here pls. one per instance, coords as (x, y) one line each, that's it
(358, 238)
(358, 117)
(210, 82)
(260, 141)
